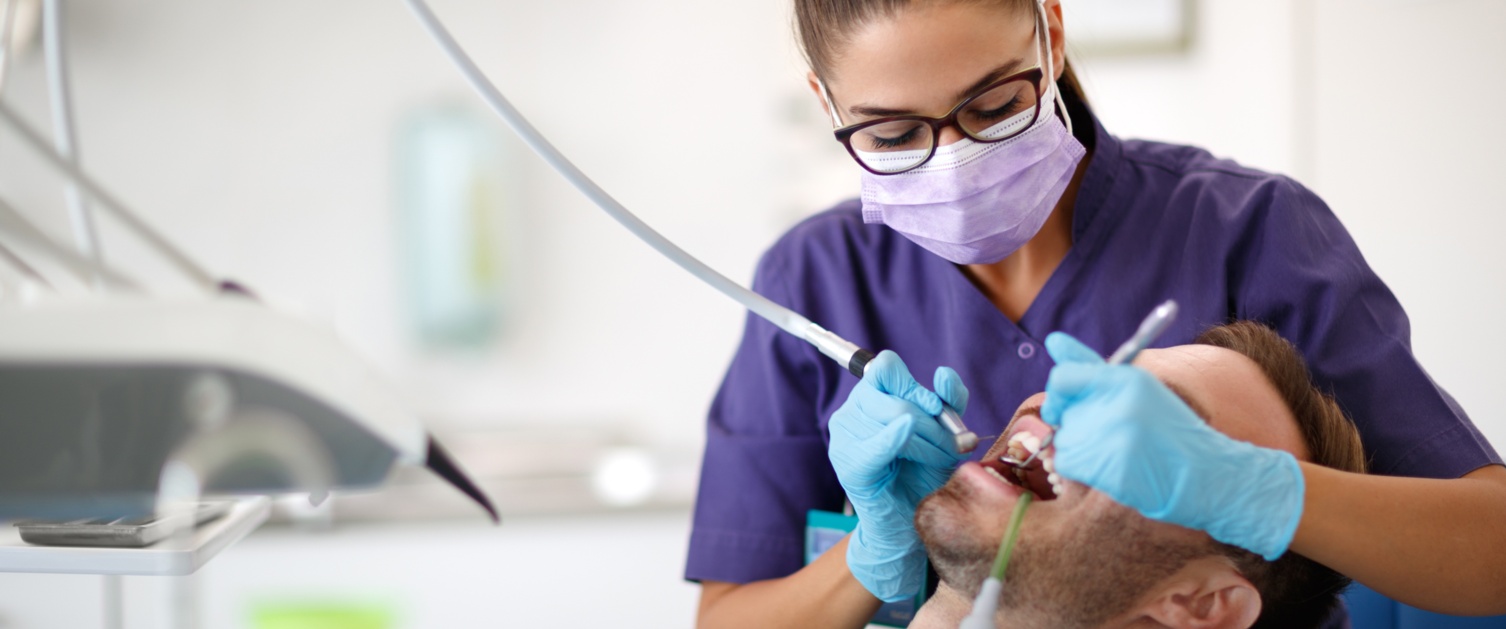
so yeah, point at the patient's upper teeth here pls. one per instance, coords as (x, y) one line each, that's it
(1031, 442)
(1048, 462)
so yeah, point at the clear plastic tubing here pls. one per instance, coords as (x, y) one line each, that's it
(833, 346)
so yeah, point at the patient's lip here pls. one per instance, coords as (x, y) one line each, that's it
(1031, 423)
(975, 473)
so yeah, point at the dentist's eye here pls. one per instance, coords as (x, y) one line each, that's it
(890, 143)
(1014, 107)
(894, 136)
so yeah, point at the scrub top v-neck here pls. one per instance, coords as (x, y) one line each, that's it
(1151, 222)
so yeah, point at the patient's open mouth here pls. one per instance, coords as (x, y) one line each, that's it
(1039, 477)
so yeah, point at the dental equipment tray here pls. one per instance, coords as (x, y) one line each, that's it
(132, 532)
(170, 557)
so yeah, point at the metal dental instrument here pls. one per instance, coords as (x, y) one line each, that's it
(1150, 329)
(847, 354)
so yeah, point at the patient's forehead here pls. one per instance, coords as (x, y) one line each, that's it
(1235, 394)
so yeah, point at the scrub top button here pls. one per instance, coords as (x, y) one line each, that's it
(1026, 351)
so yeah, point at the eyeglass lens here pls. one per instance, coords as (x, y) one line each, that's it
(1002, 112)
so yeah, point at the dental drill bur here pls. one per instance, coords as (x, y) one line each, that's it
(1150, 329)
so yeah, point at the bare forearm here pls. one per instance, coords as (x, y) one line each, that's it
(822, 594)
(1434, 544)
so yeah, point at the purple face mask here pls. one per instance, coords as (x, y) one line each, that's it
(976, 203)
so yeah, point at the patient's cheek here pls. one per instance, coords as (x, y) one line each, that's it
(1094, 503)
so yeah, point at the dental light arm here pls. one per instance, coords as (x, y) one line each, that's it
(64, 137)
(19, 264)
(7, 26)
(15, 226)
(847, 354)
(130, 219)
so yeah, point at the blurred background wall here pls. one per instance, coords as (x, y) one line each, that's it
(260, 136)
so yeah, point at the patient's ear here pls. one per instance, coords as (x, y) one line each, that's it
(1207, 593)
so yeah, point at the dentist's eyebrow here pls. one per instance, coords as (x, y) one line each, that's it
(997, 73)
(1000, 72)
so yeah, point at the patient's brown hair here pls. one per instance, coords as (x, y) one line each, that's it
(1295, 591)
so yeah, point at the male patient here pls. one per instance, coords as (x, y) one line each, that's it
(1083, 560)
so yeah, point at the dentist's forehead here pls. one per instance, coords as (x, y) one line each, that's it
(1235, 394)
(932, 54)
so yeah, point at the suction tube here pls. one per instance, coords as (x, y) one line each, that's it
(786, 319)
(855, 359)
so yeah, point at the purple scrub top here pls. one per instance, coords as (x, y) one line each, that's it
(1152, 222)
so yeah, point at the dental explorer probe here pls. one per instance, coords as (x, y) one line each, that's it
(1150, 329)
(847, 354)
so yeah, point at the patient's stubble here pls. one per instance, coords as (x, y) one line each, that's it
(1078, 575)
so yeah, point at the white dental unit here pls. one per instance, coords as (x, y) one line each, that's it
(118, 403)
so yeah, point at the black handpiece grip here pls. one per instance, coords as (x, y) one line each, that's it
(859, 362)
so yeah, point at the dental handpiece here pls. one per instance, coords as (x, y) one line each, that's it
(1150, 329)
(846, 353)
(966, 440)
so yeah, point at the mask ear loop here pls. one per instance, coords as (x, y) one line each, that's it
(1048, 56)
(831, 105)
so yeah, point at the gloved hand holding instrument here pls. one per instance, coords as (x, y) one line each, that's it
(889, 453)
(1121, 431)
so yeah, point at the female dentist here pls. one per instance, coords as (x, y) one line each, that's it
(995, 208)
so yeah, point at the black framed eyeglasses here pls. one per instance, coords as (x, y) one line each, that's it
(895, 144)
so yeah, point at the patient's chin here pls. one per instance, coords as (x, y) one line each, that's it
(958, 550)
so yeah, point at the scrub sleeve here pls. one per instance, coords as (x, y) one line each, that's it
(765, 463)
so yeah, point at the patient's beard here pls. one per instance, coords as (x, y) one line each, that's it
(1080, 575)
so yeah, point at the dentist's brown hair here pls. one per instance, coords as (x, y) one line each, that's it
(825, 26)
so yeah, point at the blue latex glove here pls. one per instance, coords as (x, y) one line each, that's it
(1122, 432)
(889, 452)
